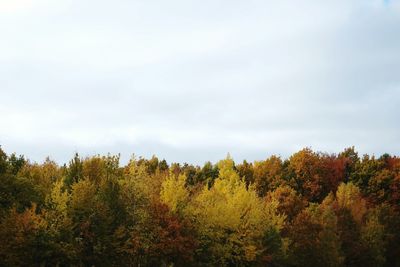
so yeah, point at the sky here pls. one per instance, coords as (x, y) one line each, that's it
(191, 81)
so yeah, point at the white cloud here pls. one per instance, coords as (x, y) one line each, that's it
(16, 5)
(194, 80)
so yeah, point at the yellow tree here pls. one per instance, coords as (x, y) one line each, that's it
(174, 193)
(232, 221)
(348, 196)
(42, 176)
(351, 211)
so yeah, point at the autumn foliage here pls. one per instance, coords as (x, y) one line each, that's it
(311, 209)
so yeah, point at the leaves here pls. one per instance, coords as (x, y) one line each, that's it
(312, 209)
(174, 193)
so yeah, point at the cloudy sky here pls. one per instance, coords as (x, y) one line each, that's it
(193, 80)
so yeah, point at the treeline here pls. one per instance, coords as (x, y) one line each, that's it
(312, 209)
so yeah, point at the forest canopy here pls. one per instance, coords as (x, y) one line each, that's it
(310, 209)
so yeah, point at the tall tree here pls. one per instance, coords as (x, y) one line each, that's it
(232, 221)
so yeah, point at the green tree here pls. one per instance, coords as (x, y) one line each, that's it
(314, 238)
(74, 171)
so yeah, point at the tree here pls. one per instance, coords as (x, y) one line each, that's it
(333, 170)
(306, 176)
(42, 176)
(290, 203)
(387, 216)
(75, 171)
(16, 163)
(174, 193)
(313, 209)
(351, 159)
(246, 171)
(3, 162)
(267, 175)
(365, 169)
(23, 238)
(161, 239)
(373, 236)
(232, 221)
(348, 196)
(351, 210)
(314, 238)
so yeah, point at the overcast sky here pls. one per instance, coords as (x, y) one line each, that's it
(193, 80)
